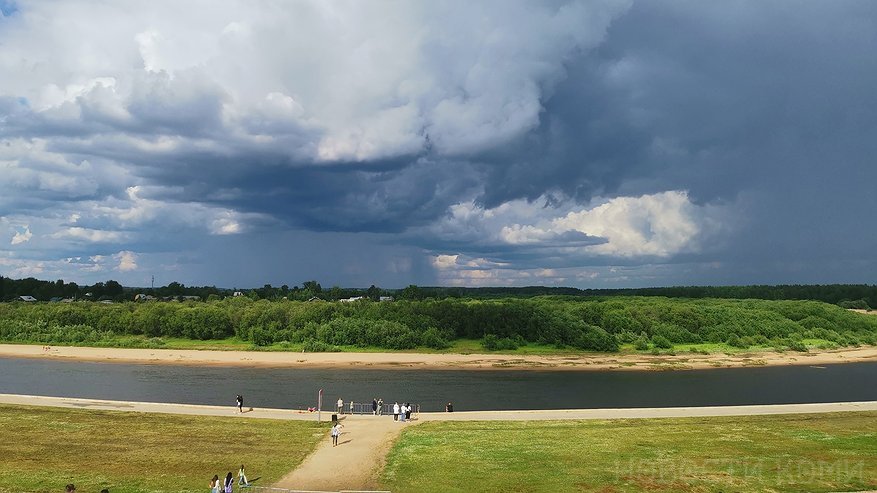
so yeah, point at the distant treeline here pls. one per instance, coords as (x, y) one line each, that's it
(829, 293)
(847, 295)
(597, 324)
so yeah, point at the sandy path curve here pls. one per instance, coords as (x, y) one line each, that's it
(352, 465)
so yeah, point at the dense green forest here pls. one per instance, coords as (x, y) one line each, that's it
(846, 295)
(580, 323)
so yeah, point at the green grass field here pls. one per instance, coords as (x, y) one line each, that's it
(42, 449)
(794, 453)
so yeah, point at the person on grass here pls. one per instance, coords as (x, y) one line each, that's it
(229, 483)
(242, 477)
(215, 484)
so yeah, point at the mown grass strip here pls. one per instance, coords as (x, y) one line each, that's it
(813, 453)
(43, 449)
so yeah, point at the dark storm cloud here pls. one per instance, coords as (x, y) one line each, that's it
(763, 109)
(711, 98)
(766, 105)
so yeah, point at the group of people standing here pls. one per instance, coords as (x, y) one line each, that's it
(378, 407)
(400, 412)
(218, 485)
(403, 412)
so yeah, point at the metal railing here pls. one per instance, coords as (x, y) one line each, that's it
(366, 408)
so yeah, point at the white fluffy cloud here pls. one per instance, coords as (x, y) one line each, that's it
(318, 80)
(22, 236)
(656, 226)
(127, 261)
(662, 225)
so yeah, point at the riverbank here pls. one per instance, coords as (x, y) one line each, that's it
(589, 361)
(524, 415)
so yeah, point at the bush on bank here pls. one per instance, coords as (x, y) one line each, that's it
(593, 324)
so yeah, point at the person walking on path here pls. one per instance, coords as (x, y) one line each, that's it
(380, 406)
(240, 401)
(402, 409)
(242, 477)
(229, 483)
(395, 411)
(215, 484)
(374, 407)
(340, 406)
(336, 432)
(449, 408)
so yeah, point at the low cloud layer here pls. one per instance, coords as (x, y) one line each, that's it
(563, 142)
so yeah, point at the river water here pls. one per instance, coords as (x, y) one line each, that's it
(469, 390)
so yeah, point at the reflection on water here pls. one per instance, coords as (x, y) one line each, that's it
(468, 390)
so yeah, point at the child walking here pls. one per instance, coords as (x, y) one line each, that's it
(336, 432)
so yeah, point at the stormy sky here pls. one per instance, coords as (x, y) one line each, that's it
(588, 144)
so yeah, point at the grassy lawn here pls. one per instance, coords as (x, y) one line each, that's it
(800, 453)
(43, 449)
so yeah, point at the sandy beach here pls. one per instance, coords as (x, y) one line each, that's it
(609, 361)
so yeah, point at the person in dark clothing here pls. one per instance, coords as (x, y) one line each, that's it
(449, 408)
(374, 406)
(240, 400)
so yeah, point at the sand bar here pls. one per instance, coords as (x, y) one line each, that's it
(590, 361)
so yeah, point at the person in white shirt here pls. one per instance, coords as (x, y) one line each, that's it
(402, 409)
(242, 477)
(215, 484)
(336, 432)
(395, 411)
(340, 406)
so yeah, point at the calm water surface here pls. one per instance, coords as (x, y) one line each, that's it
(468, 390)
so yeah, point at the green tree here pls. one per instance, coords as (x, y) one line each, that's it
(412, 293)
(373, 292)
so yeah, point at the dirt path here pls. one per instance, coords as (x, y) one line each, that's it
(354, 464)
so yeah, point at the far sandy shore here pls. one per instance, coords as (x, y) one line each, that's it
(684, 361)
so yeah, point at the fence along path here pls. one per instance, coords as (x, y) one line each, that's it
(355, 463)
